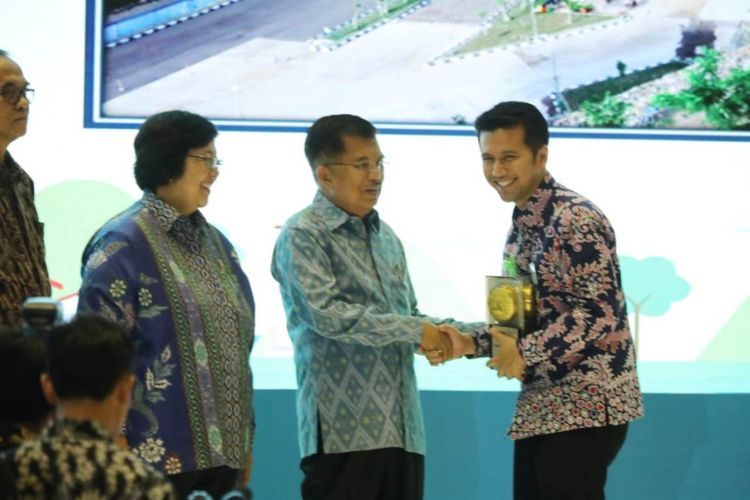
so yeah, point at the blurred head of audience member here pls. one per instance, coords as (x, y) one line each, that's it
(90, 371)
(89, 376)
(23, 407)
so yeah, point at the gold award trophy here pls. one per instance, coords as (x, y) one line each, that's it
(510, 306)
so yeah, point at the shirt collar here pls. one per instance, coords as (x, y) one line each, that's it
(77, 429)
(169, 217)
(532, 213)
(334, 217)
(9, 169)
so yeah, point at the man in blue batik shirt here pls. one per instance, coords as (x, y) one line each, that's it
(352, 316)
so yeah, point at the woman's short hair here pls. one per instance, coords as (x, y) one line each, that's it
(162, 143)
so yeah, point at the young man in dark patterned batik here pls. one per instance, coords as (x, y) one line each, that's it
(577, 365)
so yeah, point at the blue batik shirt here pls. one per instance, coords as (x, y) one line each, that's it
(353, 319)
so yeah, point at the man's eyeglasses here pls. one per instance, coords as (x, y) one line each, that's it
(12, 94)
(363, 166)
(209, 161)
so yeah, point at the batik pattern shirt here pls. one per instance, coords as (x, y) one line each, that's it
(353, 319)
(580, 361)
(23, 272)
(12, 435)
(78, 459)
(176, 282)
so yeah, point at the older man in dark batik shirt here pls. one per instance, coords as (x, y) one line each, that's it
(23, 272)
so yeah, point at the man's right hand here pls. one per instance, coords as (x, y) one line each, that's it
(463, 343)
(435, 344)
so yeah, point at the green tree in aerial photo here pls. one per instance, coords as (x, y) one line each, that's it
(724, 100)
(609, 112)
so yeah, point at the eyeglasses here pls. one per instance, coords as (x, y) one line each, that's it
(12, 94)
(209, 161)
(363, 166)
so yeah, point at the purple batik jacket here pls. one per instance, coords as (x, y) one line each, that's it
(175, 281)
(580, 361)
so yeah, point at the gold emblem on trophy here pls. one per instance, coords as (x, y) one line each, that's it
(510, 305)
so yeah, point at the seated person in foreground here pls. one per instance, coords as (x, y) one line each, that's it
(90, 378)
(23, 408)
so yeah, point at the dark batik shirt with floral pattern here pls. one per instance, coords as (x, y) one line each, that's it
(78, 459)
(23, 272)
(177, 283)
(580, 361)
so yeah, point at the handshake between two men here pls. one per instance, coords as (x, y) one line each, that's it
(441, 343)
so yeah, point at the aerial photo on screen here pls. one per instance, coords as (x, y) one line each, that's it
(631, 64)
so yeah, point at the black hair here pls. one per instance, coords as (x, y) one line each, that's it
(510, 114)
(88, 356)
(162, 144)
(22, 361)
(324, 138)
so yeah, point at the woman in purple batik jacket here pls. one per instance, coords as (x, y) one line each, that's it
(176, 282)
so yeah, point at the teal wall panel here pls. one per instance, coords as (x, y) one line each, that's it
(687, 447)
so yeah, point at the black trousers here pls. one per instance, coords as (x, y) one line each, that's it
(385, 474)
(568, 465)
(216, 481)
